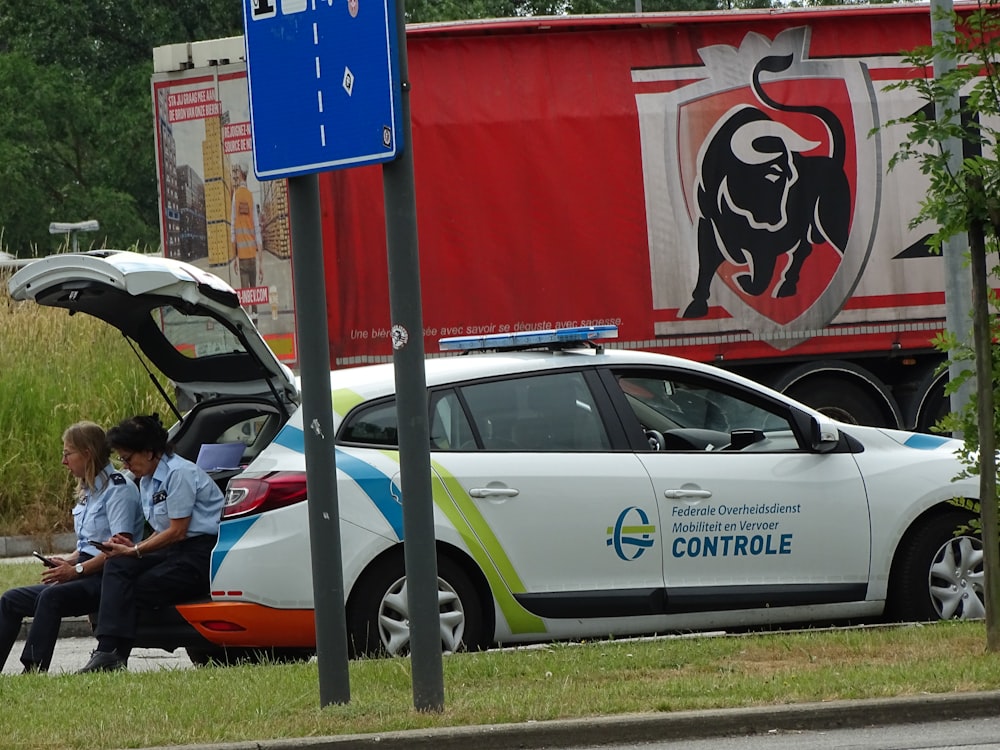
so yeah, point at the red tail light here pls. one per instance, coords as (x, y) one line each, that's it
(251, 495)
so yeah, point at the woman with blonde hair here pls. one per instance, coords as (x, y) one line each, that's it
(107, 503)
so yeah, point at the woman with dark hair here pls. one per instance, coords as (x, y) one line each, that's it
(107, 503)
(183, 506)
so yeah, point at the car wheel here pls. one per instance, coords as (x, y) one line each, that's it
(378, 616)
(940, 575)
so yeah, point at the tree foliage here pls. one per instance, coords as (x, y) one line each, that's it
(76, 140)
(965, 199)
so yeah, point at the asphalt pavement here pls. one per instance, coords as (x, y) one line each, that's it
(596, 731)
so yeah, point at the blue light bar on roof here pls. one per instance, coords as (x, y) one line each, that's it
(524, 339)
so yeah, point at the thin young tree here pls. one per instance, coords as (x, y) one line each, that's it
(966, 199)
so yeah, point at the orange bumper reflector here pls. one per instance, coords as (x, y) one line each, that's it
(246, 624)
(222, 626)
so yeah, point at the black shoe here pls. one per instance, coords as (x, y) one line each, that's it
(104, 661)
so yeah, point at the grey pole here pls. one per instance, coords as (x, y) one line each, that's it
(419, 549)
(958, 277)
(317, 424)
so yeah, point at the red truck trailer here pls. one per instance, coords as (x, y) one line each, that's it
(715, 184)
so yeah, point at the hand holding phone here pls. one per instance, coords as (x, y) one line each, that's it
(100, 545)
(46, 561)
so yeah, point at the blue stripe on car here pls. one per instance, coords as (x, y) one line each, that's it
(230, 532)
(925, 442)
(374, 483)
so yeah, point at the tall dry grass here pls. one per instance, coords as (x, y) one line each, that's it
(56, 369)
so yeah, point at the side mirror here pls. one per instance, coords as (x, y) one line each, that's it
(822, 434)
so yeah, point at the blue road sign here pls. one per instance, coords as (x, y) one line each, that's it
(324, 84)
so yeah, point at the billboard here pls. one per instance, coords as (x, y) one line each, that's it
(215, 213)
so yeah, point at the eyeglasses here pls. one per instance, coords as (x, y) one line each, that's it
(67, 454)
(126, 460)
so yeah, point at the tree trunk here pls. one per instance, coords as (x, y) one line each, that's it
(983, 344)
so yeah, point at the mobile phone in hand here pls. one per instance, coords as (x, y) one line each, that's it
(47, 562)
(100, 545)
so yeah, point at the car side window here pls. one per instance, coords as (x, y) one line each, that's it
(449, 429)
(375, 425)
(688, 414)
(551, 412)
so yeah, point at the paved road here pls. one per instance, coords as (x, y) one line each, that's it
(973, 734)
(73, 653)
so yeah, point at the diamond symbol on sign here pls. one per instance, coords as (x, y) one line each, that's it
(348, 81)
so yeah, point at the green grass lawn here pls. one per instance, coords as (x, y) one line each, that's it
(226, 704)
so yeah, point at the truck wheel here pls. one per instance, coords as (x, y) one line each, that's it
(939, 576)
(843, 391)
(378, 613)
(932, 403)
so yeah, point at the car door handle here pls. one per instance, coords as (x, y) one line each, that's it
(682, 493)
(494, 492)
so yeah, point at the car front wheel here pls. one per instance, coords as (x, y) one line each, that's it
(378, 616)
(940, 575)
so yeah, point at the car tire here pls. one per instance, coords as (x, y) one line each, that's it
(939, 576)
(378, 611)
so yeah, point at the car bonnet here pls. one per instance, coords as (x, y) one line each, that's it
(166, 307)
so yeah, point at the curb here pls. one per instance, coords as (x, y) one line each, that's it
(643, 728)
(22, 546)
(70, 627)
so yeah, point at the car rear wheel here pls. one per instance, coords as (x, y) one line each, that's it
(378, 615)
(939, 575)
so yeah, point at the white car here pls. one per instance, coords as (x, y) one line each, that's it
(579, 491)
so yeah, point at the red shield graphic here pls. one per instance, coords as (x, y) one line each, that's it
(761, 188)
(696, 121)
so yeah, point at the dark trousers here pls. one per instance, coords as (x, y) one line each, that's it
(47, 605)
(168, 576)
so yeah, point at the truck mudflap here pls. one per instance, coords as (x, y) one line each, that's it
(243, 624)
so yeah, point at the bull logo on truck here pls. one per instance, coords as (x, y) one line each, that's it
(761, 196)
(761, 187)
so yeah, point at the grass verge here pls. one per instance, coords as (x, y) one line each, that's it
(219, 704)
(20, 573)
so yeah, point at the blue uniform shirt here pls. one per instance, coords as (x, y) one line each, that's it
(112, 507)
(178, 488)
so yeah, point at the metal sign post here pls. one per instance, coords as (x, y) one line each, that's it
(325, 93)
(419, 548)
(320, 451)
